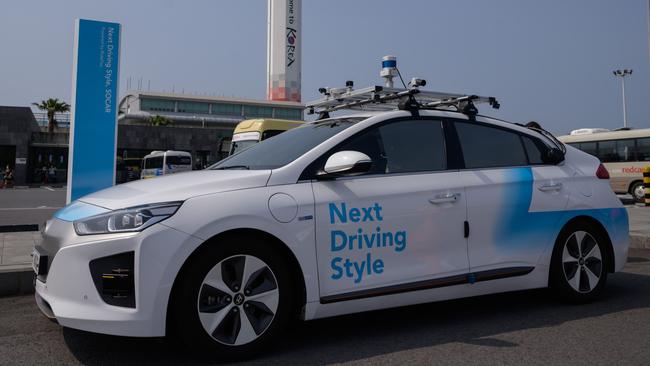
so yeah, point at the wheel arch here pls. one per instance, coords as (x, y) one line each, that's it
(294, 266)
(632, 184)
(610, 263)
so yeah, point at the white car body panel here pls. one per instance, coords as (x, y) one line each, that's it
(536, 279)
(416, 242)
(249, 209)
(504, 207)
(177, 187)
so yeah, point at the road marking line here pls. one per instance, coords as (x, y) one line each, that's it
(48, 188)
(28, 208)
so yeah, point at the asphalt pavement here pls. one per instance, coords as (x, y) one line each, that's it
(521, 328)
(29, 205)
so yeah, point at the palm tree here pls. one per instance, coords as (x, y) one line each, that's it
(52, 106)
(158, 120)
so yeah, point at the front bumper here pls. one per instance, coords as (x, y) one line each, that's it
(68, 294)
(44, 307)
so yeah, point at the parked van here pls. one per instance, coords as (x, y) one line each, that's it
(165, 162)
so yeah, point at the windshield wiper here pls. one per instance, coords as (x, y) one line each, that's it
(244, 167)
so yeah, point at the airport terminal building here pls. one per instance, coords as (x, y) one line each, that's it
(201, 125)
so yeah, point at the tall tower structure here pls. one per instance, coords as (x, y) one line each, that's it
(283, 67)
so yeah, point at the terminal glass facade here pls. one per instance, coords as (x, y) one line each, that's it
(227, 109)
(193, 107)
(157, 105)
(288, 113)
(222, 109)
(257, 111)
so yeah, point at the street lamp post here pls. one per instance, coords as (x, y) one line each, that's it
(622, 74)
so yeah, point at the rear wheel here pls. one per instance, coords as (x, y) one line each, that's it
(233, 300)
(638, 192)
(578, 270)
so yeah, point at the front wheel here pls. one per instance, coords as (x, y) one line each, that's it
(578, 270)
(234, 300)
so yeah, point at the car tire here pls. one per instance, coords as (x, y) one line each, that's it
(233, 300)
(578, 270)
(638, 192)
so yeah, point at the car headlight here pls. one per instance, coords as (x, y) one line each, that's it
(126, 220)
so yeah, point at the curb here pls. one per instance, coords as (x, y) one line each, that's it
(37, 186)
(16, 280)
(18, 228)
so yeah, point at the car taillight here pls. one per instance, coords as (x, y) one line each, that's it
(602, 172)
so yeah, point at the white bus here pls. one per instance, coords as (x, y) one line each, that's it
(624, 154)
(165, 162)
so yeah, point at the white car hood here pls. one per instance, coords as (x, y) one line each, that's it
(176, 187)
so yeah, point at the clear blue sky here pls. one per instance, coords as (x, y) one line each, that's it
(549, 60)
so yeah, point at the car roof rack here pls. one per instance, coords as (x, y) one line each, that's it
(379, 98)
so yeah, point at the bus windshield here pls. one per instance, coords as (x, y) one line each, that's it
(239, 146)
(285, 147)
(155, 162)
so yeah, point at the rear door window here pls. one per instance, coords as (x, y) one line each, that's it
(489, 147)
(535, 149)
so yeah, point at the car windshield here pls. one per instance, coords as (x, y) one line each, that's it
(286, 147)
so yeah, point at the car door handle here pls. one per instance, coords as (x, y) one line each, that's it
(445, 198)
(550, 187)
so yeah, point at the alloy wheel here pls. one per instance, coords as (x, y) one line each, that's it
(639, 193)
(238, 300)
(582, 262)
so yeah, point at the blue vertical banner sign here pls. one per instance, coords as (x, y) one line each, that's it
(93, 125)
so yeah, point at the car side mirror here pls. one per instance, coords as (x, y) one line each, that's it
(554, 156)
(345, 163)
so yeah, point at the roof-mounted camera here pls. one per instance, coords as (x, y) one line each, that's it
(416, 83)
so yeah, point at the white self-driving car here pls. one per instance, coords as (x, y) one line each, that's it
(341, 215)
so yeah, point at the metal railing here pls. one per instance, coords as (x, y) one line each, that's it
(62, 119)
(44, 137)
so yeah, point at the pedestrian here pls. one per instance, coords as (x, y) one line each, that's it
(130, 173)
(44, 174)
(52, 174)
(9, 177)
